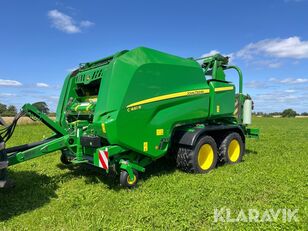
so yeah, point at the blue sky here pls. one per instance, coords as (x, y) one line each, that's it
(41, 41)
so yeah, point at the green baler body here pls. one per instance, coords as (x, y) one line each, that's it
(122, 112)
(142, 95)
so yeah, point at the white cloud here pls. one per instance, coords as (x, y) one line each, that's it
(267, 63)
(7, 94)
(274, 65)
(214, 52)
(275, 82)
(86, 23)
(292, 47)
(255, 84)
(66, 23)
(42, 85)
(63, 22)
(71, 69)
(294, 81)
(281, 99)
(54, 97)
(290, 91)
(259, 53)
(9, 83)
(289, 80)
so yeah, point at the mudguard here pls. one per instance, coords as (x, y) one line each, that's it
(190, 137)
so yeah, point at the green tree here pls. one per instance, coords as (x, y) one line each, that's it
(11, 111)
(42, 106)
(289, 113)
(3, 108)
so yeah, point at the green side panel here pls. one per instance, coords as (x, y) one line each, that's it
(222, 100)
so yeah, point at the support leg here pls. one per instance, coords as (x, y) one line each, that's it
(4, 181)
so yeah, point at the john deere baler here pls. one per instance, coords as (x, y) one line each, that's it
(122, 112)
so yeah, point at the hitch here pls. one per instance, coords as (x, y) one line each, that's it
(17, 154)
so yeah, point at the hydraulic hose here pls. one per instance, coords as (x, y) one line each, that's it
(7, 131)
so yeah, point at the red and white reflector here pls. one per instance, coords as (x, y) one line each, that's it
(103, 158)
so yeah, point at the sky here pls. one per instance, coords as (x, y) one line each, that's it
(42, 41)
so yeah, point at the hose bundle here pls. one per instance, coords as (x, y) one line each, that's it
(7, 131)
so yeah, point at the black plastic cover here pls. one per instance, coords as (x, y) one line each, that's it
(91, 141)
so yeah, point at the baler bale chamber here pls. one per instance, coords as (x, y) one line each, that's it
(123, 112)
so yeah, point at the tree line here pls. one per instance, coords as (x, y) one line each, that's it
(285, 113)
(11, 110)
(5, 110)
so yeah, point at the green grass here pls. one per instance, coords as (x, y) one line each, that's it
(273, 174)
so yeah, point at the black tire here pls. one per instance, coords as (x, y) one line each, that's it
(201, 159)
(125, 180)
(64, 157)
(232, 148)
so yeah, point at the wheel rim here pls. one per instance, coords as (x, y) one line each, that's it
(234, 150)
(131, 182)
(205, 156)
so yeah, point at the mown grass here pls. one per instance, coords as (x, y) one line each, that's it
(273, 174)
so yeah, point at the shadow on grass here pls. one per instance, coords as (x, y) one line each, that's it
(95, 175)
(163, 166)
(32, 191)
(92, 175)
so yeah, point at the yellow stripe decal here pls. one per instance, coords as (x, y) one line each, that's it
(223, 89)
(179, 94)
(170, 96)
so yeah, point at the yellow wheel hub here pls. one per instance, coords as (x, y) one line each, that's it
(234, 150)
(131, 182)
(205, 156)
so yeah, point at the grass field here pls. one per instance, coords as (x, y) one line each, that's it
(274, 174)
